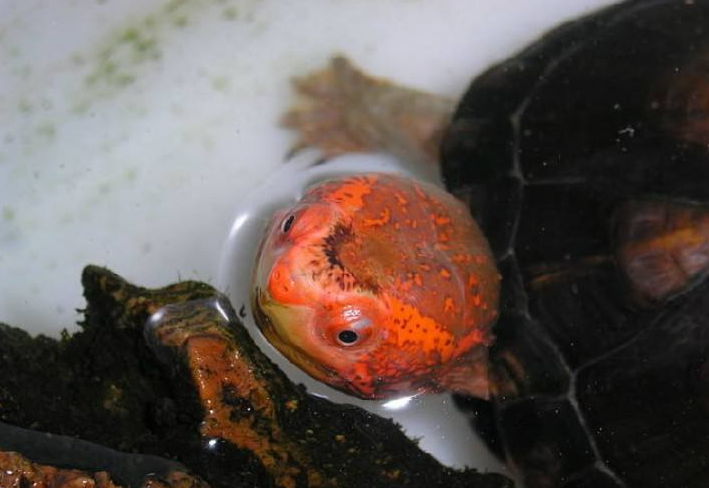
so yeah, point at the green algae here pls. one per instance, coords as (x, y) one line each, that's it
(221, 83)
(8, 214)
(117, 62)
(230, 13)
(46, 130)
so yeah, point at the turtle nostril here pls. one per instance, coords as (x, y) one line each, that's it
(288, 223)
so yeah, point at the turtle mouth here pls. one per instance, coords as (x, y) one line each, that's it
(263, 309)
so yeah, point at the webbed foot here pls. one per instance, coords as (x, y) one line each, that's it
(340, 109)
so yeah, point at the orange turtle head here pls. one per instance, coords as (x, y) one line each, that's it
(373, 289)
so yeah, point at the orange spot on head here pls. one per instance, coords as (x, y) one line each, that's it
(350, 192)
(417, 279)
(383, 219)
(445, 273)
(441, 220)
(422, 334)
(420, 193)
(448, 305)
(402, 285)
(462, 258)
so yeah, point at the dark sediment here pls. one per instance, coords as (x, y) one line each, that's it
(200, 392)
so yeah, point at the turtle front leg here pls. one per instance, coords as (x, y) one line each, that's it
(340, 109)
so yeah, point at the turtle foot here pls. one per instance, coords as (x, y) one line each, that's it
(340, 110)
(323, 112)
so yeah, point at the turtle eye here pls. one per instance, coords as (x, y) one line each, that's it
(287, 223)
(352, 329)
(347, 337)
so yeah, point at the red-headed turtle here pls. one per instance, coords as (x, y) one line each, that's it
(585, 161)
(379, 285)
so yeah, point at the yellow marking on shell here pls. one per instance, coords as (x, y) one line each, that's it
(679, 238)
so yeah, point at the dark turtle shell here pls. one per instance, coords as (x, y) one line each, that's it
(586, 156)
